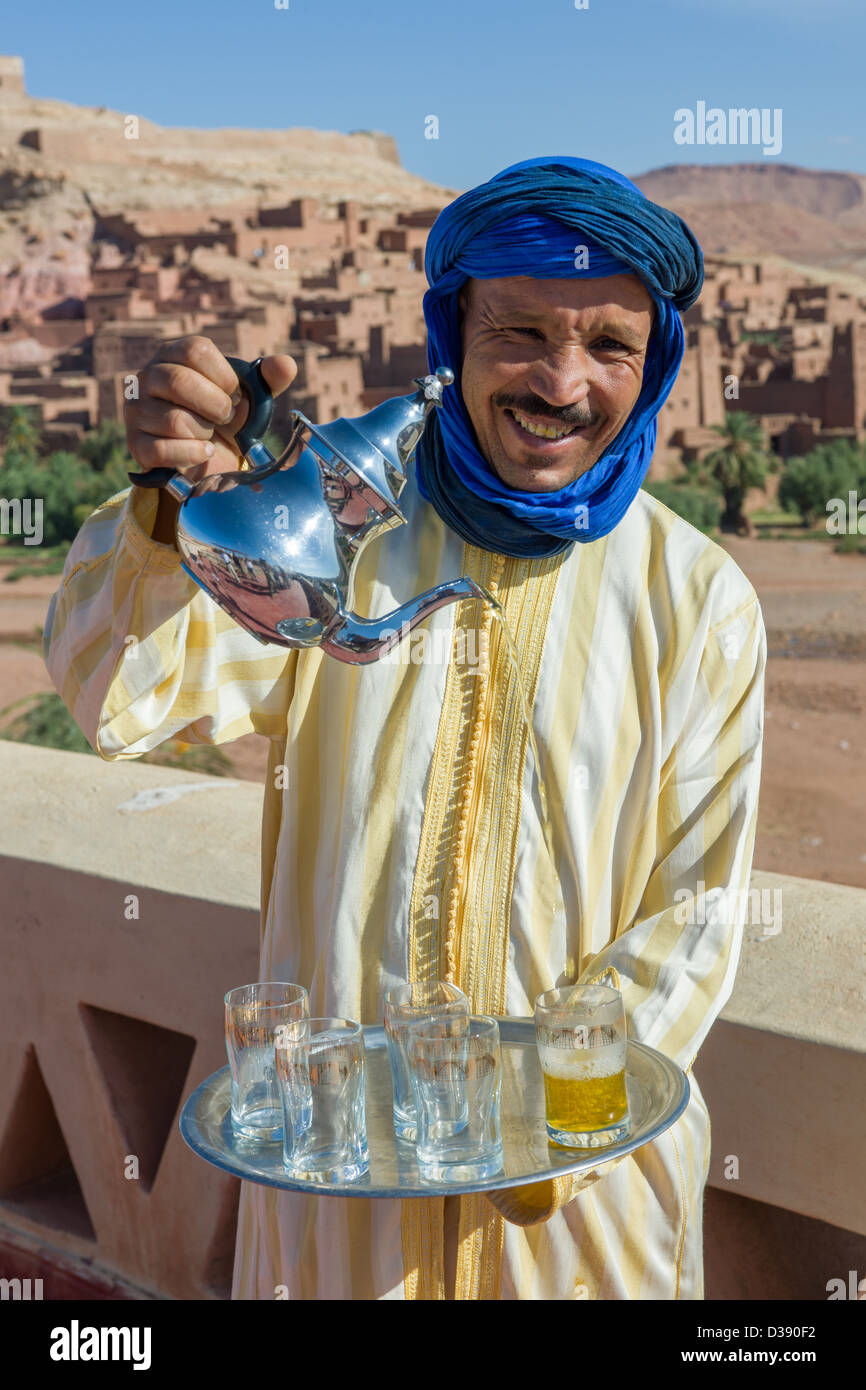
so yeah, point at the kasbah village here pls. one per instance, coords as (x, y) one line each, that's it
(117, 235)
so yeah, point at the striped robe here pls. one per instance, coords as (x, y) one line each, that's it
(402, 840)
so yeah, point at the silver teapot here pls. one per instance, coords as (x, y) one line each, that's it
(275, 542)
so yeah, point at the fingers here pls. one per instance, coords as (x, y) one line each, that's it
(160, 417)
(204, 357)
(185, 391)
(183, 386)
(191, 405)
(160, 431)
(152, 451)
(279, 371)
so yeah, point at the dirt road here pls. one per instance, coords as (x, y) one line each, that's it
(812, 813)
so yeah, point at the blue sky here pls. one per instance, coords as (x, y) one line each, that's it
(506, 79)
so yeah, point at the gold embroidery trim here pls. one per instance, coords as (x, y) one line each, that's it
(682, 1241)
(469, 810)
(467, 861)
(423, 1256)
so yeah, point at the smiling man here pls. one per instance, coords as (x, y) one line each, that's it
(551, 371)
(402, 837)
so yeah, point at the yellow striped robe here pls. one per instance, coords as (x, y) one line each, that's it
(402, 840)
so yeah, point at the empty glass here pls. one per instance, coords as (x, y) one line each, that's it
(253, 1014)
(456, 1073)
(404, 1005)
(322, 1080)
(581, 1036)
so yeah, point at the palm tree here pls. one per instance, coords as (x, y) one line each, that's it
(21, 435)
(740, 463)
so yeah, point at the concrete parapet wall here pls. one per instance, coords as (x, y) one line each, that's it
(784, 1069)
(110, 1020)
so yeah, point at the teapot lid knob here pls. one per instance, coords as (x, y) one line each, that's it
(432, 385)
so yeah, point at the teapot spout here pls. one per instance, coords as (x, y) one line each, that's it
(363, 640)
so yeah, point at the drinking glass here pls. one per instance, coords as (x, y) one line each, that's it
(322, 1079)
(405, 1005)
(580, 1031)
(253, 1015)
(456, 1073)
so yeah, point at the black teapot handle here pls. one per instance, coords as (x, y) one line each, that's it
(258, 421)
(259, 400)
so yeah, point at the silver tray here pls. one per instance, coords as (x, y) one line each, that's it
(658, 1092)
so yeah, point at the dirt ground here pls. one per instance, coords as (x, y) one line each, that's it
(812, 812)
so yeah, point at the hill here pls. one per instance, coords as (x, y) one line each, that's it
(59, 163)
(810, 216)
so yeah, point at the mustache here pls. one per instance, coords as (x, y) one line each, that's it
(570, 415)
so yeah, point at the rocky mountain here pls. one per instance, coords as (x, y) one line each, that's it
(59, 163)
(811, 216)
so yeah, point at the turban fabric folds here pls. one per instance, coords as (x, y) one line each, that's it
(528, 221)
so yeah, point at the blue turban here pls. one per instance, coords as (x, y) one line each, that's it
(561, 200)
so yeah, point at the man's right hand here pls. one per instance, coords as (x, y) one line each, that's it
(188, 411)
(190, 407)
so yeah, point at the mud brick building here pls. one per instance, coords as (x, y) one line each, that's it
(341, 289)
(765, 339)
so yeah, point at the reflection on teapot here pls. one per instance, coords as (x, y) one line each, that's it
(275, 544)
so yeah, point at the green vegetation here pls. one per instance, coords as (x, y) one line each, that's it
(44, 720)
(767, 517)
(31, 559)
(761, 335)
(851, 544)
(827, 474)
(827, 471)
(700, 506)
(70, 485)
(741, 462)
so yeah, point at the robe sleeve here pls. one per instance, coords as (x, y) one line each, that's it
(676, 962)
(140, 654)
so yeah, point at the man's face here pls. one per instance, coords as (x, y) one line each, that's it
(554, 355)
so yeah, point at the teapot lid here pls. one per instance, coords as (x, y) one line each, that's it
(379, 445)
